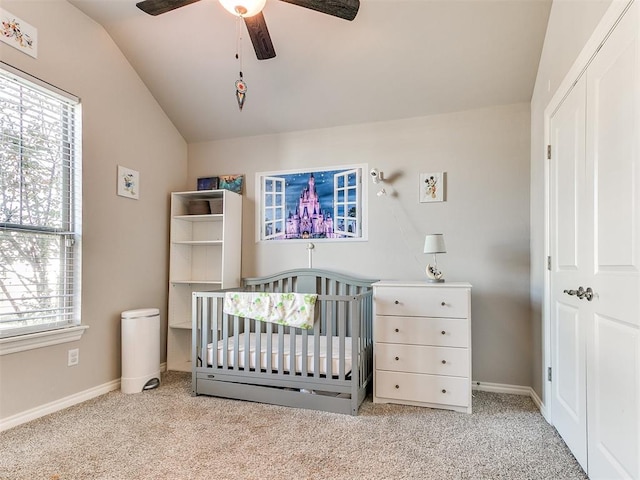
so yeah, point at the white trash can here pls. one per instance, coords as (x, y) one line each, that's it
(140, 350)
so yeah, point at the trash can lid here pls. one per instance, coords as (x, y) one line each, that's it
(141, 312)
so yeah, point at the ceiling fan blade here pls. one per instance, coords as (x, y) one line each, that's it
(346, 9)
(157, 7)
(260, 37)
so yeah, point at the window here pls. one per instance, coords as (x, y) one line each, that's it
(40, 210)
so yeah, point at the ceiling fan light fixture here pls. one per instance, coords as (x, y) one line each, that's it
(243, 8)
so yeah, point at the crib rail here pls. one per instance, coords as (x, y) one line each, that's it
(229, 343)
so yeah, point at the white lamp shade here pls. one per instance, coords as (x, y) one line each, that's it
(252, 7)
(434, 243)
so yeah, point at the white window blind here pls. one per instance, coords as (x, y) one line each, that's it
(40, 205)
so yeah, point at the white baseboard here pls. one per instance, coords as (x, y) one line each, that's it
(501, 388)
(58, 405)
(511, 389)
(66, 402)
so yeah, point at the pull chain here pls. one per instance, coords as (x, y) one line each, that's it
(241, 86)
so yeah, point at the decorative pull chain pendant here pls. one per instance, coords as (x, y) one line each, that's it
(241, 90)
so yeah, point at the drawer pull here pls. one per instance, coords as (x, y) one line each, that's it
(397, 302)
(443, 304)
(397, 386)
(444, 362)
(444, 391)
(443, 332)
(397, 330)
(397, 358)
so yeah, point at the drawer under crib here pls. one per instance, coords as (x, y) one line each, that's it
(422, 359)
(417, 387)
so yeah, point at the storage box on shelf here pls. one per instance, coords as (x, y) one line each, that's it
(205, 253)
(422, 344)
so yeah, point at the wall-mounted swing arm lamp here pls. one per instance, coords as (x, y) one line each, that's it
(377, 177)
(434, 244)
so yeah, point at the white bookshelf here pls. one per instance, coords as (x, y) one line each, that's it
(205, 254)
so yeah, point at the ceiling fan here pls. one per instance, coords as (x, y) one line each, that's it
(251, 13)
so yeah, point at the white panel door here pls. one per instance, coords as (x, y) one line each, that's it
(569, 267)
(613, 200)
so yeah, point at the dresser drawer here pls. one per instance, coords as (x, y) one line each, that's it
(418, 387)
(422, 301)
(422, 331)
(420, 359)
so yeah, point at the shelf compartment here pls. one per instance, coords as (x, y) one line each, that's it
(197, 231)
(195, 263)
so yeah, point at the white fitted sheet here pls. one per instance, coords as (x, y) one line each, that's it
(335, 353)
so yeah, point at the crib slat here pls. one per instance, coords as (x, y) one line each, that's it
(236, 342)
(257, 326)
(247, 344)
(328, 337)
(305, 353)
(292, 351)
(280, 349)
(225, 341)
(316, 345)
(342, 331)
(269, 328)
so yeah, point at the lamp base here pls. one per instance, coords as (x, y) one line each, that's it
(433, 274)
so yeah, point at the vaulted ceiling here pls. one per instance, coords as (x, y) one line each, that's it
(397, 59)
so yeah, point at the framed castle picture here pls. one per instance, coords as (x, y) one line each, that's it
(319, 204)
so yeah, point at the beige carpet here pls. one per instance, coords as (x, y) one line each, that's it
(167, 434)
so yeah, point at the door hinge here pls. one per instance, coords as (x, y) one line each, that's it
(549, 376)
(548, 152)
(549, 263)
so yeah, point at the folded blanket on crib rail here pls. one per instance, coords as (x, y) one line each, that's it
(290, 309)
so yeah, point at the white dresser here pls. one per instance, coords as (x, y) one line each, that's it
(422, 344)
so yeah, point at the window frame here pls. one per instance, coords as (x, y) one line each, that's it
(69, 235)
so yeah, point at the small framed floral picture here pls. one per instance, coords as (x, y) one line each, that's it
(432, 187)
(128, 183)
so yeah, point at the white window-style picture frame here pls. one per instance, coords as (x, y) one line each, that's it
(128, 183)
(319, 204)
(432, 186)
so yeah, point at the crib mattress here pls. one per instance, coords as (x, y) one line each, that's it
(286, 354)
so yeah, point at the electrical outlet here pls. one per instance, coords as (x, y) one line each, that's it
(73, 357)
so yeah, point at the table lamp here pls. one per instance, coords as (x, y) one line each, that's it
(434, 244)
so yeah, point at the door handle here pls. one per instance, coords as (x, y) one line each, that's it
(581, 293)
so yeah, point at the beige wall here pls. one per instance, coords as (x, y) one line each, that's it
(125, 254)
(485, 219)
(571, 23)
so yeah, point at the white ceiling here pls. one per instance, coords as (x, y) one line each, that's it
(397, 59)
